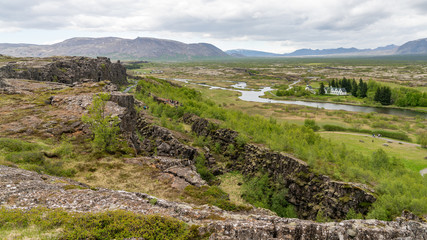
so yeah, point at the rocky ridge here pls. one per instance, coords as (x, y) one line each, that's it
(25, 189)
(65, 70)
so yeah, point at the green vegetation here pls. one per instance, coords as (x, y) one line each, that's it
(204, 172)
(422, 139)
(212, 195)
(60, 224)
(32, 156)
(383, 95)
(297, 91)
(104, 127)
(310, 123)
(378, 170)
(260, 191)
(383, 133)
(365, 144)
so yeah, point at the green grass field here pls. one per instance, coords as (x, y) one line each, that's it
(412, 156)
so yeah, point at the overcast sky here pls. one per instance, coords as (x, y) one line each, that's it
(269, 25)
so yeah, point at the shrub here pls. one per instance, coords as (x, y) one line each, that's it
(202, 169)
(212, 195)
(33, 157)
(117, 224)
(329, 127)
(261, 192)
(422, 139)
(105, 128)
(310, 123)
(15, 145)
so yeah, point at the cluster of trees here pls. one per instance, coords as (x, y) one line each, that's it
(398, 188)
(383, 95)
(407, 97)
(402, 97)
(297, 91)
(351, 86)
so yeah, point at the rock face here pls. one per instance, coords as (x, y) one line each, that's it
(309, 192)
(65, 70)
(25, 189)
(161, 141)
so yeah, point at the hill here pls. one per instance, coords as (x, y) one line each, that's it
(413, 47)
(117, 48)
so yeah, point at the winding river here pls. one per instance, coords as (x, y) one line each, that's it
(251, 95)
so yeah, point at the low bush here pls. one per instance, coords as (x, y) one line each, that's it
(26, 156)
(331, 128)
(202, 169)
(15, 145)
(212, 195)
(117, 224)
(262, 192)
(32, 157)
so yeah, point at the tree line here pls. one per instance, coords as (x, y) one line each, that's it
(402, 97)
(350, 85)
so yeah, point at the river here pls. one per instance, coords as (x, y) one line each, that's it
(251, 95)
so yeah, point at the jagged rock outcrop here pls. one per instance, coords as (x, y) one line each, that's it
(65, 70)
(308, 191)
(182, 171)
(25, 189)
(161, 141)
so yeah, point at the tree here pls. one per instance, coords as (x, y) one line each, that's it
(105, 128)
(322, 89)
(363, 89)
(383, 95)
(354, 88)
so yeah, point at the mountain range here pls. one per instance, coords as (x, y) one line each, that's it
(143, 48)
(117, 48)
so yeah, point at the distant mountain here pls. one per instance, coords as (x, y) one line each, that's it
(251, 53)
(413, 47)
(387, 50)
(317, 52)
(117, 48)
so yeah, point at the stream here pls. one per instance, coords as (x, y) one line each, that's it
(252, 95)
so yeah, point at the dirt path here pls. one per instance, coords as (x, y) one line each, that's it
(367, 135)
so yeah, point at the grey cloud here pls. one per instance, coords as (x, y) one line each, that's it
(268, 20)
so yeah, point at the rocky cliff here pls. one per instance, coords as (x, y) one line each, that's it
(308, 191)
(65, 69)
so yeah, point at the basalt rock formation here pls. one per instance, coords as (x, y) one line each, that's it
(25, 189)
(159, 140)
(308, 191)
(65, 70)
